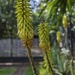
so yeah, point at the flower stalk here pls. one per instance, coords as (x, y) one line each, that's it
(25, 28)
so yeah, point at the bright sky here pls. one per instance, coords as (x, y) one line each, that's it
(37, 0)
(34, 4)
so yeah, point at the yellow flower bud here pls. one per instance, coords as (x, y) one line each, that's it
(24, 22)
(58, 36)
(64, 21)
(44, 36)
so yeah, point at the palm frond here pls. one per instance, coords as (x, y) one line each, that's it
(57, 6)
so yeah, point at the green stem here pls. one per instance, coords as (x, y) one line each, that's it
(31, 61)
(49, 64)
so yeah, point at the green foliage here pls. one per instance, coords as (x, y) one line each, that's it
(57, 7)
(7, 19)
(53, 11)
(62, 64)
(72, 68)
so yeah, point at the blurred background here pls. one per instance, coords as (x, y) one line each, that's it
(10, 44)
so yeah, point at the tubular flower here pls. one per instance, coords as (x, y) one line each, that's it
(43, 31)
(25, 28)
(64, 21)
(45, 44)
